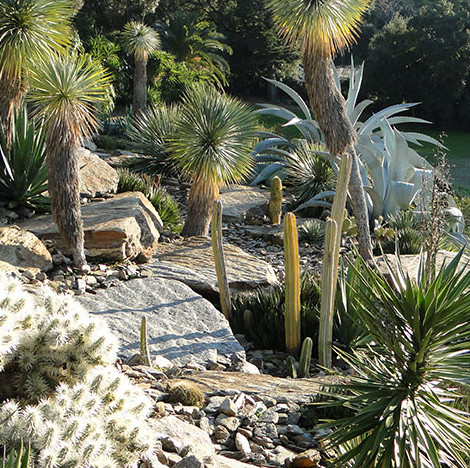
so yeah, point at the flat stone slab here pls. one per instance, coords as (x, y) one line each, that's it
(410, 263)
(289, 390)
(115, 229)
(182, 326)
(23, 249)
(191, 261)
(238, 201)
(270, 233)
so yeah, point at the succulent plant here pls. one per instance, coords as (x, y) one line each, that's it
(275, 201)
(186, 393)
(59, 389)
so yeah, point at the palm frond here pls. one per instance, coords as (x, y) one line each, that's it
(139, 39)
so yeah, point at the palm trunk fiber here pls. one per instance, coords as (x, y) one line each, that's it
(330, 111)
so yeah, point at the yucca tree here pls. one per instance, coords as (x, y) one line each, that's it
(323, 28)
(29, 30)
(140, 41)
(405, 384)
(65, 93)
(212, 147)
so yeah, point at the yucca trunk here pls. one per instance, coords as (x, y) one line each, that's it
(63, 183)
(202, 195)
(139, 101)
(12, 91)
(340, 137)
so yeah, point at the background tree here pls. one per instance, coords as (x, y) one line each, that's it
(325, 27)
(140, 41)
(64, 93)
(212, 147)
(196, 43)
(29, 30)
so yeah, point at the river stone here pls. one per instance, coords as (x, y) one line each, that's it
(182, 326)
(272, 234)
(97, 177)
(192, 262)
(238, 201)
(23, 249)
(184, 434)
(115, 229)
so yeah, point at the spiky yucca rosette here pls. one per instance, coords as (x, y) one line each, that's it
(59, 389)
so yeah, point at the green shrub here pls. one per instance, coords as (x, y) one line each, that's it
(463, 203)
(163, 202)
(23, 172)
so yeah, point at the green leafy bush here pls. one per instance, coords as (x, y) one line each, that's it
(163, 202)
(23, 171)
(406, 381)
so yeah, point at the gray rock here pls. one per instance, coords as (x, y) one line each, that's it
(238, 201)
(225, 462)
(97, 177)
(191, 461)
(115, 229)
(192, 262)
(230, 422)
(242, 444)
(182, 326)
(23, 249)
(228, 407)
(185, 434)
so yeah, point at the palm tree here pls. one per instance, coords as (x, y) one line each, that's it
(64, 93)
(323, 28)
(212, 146)
(196, 43)
(140, 40)
(29, 30)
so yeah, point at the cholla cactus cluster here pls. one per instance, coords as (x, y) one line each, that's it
(58, 387)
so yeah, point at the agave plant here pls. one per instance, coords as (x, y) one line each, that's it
(23, 172)
(405, 384)
(391, 171)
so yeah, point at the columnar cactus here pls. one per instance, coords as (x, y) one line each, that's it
(218, 249)
(292, 280)
(305, 357)
(59, 390)
(331, 261)
(144, 344)
(275, 201)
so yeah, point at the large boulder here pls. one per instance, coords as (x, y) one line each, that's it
(182, 326)
(23, 249)
(97, 177)
(192, 262)
(115, 229)
(240, 200)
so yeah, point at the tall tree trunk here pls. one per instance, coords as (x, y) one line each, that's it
(139, 101)
(201, 198)
(329, 107)
(63, 185)
(12, 91)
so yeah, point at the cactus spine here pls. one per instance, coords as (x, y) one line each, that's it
(305, 357)
(331, 261)
(217, 248)
(292, 273)
(144, 344)
(275, 201)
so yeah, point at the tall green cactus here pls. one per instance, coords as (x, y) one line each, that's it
(292, 274)
(305, 357)
(217, 248)
(331, 261)
(144, 344)
(275, 201)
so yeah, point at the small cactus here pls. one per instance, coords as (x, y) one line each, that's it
(59, 389)
(144, 344)
(292, 274)
(275, 201)
(218, 249)
(291, 367)
(305, 357)
(186, 393)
